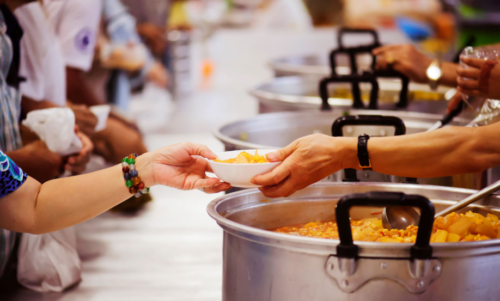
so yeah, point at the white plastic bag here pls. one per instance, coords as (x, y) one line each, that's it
(487, 111)
(56, 127)
(49, 262)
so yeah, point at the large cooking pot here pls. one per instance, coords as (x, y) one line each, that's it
(356, 83)
(263, 265)
(297, 93)
(277, 130)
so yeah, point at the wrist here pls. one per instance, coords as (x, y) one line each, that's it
(144, 166)
(348, 153)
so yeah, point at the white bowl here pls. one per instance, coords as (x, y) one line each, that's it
(239, 175)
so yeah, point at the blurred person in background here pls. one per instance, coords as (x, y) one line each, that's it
(34, 157)
(122, 51)
(76, 26)
(151, 16)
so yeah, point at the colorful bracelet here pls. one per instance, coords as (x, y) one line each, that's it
(131, 176)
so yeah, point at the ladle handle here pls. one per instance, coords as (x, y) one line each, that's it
(421, 249)
(471, 199)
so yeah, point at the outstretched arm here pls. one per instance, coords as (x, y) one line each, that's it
(443, 152)
(61, 203)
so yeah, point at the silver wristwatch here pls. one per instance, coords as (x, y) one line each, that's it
(434, 74)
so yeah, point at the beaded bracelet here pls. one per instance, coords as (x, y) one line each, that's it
(131, 176)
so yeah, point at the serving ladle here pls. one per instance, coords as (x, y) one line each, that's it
(401, 217)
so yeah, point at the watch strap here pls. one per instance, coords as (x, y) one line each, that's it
(363, 157)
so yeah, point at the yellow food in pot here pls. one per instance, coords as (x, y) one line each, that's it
(453, 227)
(245, 158)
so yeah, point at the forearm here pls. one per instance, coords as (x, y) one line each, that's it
(449, 77)
(33, 166)
(443, 152)
(61, 203)
(78, 90)
(29, 104)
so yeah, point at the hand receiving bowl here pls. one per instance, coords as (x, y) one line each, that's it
(240, 174)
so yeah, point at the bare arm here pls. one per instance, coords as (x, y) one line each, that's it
(78, 90)
(445, 152)
(29, 104)
(61, 203)
(442, 152)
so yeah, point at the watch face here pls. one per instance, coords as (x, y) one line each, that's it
(434, 72)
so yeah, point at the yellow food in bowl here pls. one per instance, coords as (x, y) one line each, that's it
(453, 227)
(245, 158)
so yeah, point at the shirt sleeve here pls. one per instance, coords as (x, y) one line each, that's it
(33, 44)
(77, 29)
(11, 177)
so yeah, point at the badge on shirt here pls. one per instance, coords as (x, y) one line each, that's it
(84, 40)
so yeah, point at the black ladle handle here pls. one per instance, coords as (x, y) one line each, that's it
(454, 113)
(421, 249)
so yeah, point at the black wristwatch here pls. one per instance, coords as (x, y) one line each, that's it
(364, 158)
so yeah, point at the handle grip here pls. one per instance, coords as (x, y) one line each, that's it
(354, 79)
(405, 82)
(421, 249)
(372, 120)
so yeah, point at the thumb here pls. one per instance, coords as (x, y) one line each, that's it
(281, 154)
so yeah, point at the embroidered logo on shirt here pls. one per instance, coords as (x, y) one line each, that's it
(84, 39)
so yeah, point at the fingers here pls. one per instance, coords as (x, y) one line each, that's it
(199, 150)
(468, 73)
(274, 177)
(471, 92)
(383, 49)
(285, 189)
(281, 154)
(211, 185)
(473, 62)
(219, 187)
(467, 84)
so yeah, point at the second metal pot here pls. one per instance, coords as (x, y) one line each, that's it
(277, 130)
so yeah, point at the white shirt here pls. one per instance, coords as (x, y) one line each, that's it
(76, 24)
(42, 62)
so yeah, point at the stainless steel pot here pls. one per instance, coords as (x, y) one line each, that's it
(277, 130)
(263, 265)
(295, 93)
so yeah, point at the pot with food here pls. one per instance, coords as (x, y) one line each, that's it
(302, 247)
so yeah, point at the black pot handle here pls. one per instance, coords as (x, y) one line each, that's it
(405, 82)
(352, 52)
(354, 80)
(346, 31)
(373, 120)
(421, 249)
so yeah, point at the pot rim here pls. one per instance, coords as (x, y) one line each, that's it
(286, 240)
(248, 145)
(267, 95)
